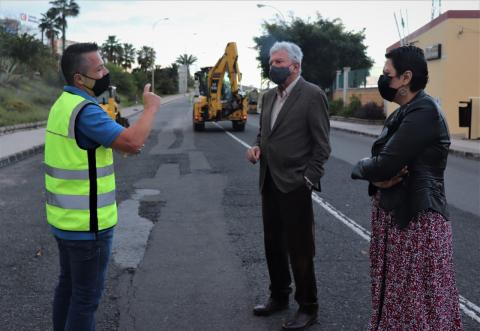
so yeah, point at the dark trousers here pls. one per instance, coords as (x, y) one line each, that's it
(289, 235)
(83, 266)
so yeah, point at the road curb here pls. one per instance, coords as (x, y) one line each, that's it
(464, 154)
(19, 127)
(355, 132)
(357, 120)
(14, 158)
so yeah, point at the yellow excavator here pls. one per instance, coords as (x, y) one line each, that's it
(219, 98)
(109, 101)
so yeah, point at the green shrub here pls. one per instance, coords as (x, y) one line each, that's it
(28, 53)
(141, 78)
(370, 111)
(336, 106)
(352, 107)
(124, 81)
(354, 104)
(346, 112)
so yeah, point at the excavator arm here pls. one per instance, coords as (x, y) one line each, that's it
(221, 99)
(222, 96)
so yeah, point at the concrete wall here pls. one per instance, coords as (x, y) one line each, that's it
(366, 95)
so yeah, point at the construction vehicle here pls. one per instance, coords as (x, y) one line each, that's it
(109, 101)
(219, 97)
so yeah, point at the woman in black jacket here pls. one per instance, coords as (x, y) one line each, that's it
(413, 279)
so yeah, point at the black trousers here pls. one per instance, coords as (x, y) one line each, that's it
(289, 235)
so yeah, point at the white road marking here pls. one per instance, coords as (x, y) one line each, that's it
(233, 136)
(358, 229)
(469, 308)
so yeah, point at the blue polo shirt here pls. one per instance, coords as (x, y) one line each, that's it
(93, 127)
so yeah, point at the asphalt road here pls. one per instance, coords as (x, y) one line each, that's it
(188, 250)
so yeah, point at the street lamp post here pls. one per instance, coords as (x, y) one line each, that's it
(261, 5)
(153, 43)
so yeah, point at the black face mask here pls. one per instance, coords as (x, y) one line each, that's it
(279, 75)
(101, 85)
(387, 92)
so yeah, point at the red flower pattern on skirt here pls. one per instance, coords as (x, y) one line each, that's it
(413, 279)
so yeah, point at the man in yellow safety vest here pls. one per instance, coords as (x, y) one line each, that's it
(80, 182)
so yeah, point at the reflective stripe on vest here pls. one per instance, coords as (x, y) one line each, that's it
(73, 117)
(79, 201)
(77, 197)
(76, 174)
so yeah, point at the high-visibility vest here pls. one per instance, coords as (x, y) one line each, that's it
(80, 184)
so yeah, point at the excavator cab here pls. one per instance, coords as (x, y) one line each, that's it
(201, 77)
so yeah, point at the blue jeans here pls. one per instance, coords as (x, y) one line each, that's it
(83, 267)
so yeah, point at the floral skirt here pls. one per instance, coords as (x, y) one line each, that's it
(413, 279)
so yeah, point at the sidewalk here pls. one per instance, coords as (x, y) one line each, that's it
(24, 142)
(461, 147)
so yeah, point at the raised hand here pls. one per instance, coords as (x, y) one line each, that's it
(150, 99)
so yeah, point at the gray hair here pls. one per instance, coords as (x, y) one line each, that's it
(294, 52)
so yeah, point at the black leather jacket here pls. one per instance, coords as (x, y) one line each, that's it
(415, 135)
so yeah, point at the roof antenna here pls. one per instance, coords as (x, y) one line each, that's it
(402, 22)
(436, 8)
(408, 27)
(398, 30)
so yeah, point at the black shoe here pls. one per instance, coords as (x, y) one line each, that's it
(270, 307)
(300, 321)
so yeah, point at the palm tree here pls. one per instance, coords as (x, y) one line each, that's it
(50, 25)
(187, 60)
(64, 9)
(52, 34)
(44, 24)
(128, 57)
(112, 50)
(146, 57)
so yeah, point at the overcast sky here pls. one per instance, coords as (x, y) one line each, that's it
(203, 28)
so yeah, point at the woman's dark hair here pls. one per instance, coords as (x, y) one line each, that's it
(72, 60)
(410, 58)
